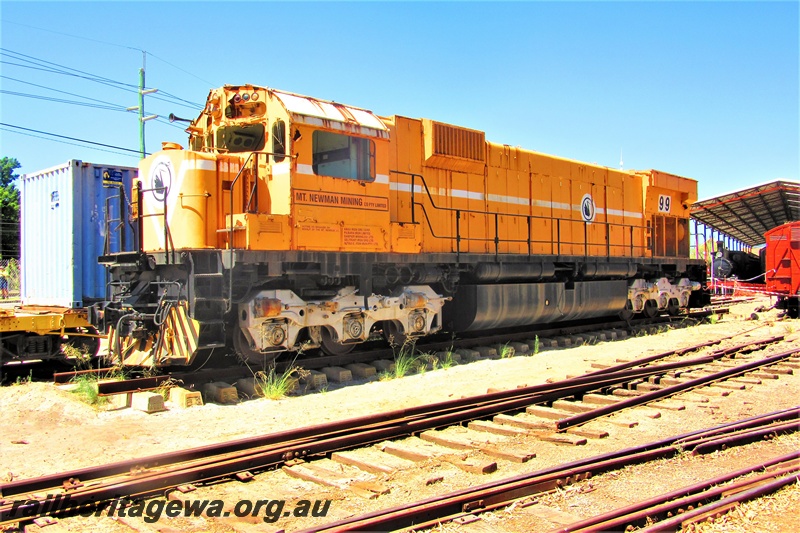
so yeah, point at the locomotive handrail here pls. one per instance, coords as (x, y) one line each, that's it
(496, 239)
(229, 299)
(167, 232)
(458, 238)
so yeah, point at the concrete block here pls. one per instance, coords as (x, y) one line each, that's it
(220, 392)
(486, 352)
(564, 342)
(468, 356)
(362, 370)
(610, 334)
(543, 343)
(149, 402)
(315, 380)
(384, 366)
(337, 374)
(520, 348)
(577, 340)
(503, 350)
(184, 398)
(119, 401)
(247, 387)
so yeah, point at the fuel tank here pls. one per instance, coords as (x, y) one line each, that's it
(479, 307)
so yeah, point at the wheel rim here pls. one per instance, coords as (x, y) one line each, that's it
(243, 350)
(331, 347)
(650, 309)
(674, 307)
(627, 313)
(393, 333)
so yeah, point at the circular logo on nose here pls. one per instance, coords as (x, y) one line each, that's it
(587, 208)
(161, 178)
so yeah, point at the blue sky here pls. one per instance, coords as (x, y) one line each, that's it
(703, 90)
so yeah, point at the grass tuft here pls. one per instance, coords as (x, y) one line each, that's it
(86, 386)
(405, 361)
(275, 386)
(447, 361)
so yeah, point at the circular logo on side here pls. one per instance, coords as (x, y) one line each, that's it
(161, 178)
(587, 208)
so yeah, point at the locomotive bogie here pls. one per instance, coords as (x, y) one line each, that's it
(275, 320)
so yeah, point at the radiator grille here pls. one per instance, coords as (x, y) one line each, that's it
(458, 142)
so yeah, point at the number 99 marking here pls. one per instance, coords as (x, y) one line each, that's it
(664, 203)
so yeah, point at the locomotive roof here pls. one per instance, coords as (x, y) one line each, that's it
(310, 110)
(749, 213)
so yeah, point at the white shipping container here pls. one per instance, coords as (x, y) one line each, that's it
(69, 215)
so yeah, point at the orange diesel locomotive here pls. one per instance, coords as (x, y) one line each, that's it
(292, 222)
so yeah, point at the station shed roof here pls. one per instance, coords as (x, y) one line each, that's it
(747, 214)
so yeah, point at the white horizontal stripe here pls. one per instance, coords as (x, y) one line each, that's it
(509, 199)
(200, 164)
(381, 178)
(305, 169)
(458, 193)
(404, 187)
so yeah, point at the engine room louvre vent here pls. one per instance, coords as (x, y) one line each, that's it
(458, 142)
(453, 147)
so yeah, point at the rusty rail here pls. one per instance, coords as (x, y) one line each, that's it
(149, 475)
(432, 511)
(163, 471)
(581, 418)
(678, 501)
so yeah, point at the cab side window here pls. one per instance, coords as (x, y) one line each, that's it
(343, 156)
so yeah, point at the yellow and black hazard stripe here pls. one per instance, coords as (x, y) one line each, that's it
(179, 336)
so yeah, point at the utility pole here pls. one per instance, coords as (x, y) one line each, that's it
(140, 107)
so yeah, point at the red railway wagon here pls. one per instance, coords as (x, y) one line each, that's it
(783, 266)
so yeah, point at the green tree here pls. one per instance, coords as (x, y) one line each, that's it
(9, 209)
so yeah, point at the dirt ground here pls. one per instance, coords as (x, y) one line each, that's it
(46, 429)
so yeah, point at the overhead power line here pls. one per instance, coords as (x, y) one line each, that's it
(111, 107)
(60, 91)
(70, 138)
(55, 68)
(112, 44)
(69, 143)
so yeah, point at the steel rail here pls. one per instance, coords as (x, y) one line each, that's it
(680, 499)
(526, 394)
(581, 418)
(738, 426)
(710, 445)
(739, 348)
(671, 524)
(499, 493)
(143, 476)
(295, 437)
(261, 452)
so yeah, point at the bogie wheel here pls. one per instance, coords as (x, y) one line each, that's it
(650, 309)
(247, 353)
(674, 307)
(393, 333)
(332, 347)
